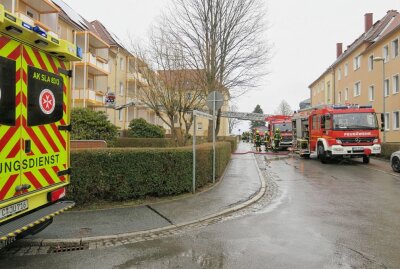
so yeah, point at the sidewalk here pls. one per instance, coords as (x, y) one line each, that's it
(240, 185)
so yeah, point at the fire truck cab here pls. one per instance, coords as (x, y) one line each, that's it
(34, 125)
(284, 124)
(337, 131)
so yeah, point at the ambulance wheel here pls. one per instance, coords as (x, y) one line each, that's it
(321, 154)
(366, 159)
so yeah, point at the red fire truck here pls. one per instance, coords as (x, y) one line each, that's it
(337, 131)
(284, 124)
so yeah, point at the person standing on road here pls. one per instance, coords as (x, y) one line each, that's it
(277, 139)
(258, 141)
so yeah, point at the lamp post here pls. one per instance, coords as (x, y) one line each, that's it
(378, 59)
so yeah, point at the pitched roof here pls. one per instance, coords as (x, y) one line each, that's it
(106, 35)
(71, 16)
(378, 31)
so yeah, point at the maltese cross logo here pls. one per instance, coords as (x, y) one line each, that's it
(47, 101)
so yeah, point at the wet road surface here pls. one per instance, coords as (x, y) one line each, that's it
(323, 216)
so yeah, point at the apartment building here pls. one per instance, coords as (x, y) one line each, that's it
(367, 72)
(106, 66)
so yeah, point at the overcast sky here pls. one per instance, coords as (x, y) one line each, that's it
(304, 34)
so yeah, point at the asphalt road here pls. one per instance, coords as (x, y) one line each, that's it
(342, 215)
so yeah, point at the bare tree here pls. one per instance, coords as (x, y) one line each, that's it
(172, 91)
(284, 109)
(233, 122)
(223, 39)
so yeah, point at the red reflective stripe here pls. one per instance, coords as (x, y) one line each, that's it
(27, 58)
(15, 150)
(49, 139)
(7, 186)
(33, 180)
(3, 41)
(24, 76)
(18, 75)
(53, 65)
(34, 137)
(10, 132)
(40, 60)
(24, 100)
(15, 53)
(46, 176)
(62, 64)
(56, 169)
(58, 134)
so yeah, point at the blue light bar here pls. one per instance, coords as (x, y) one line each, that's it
(40, 31)
(27, 26)
(339, 107)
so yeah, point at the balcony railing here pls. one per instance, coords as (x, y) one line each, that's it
(90, 95)
(94, 61)
(137, 76)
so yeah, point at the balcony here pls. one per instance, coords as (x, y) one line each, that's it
(91, 97)
(96, 65)
(136, 76)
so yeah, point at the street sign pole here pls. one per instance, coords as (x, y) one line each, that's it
(214, 136)
(194, 151)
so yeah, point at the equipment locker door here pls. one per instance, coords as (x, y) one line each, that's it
(45, 145)
(10, 120)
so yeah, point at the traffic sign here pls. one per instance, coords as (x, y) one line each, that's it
(216, 97)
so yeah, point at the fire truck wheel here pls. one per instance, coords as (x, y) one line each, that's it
(321, 154)
(366, 159)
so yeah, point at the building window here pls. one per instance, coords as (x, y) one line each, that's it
(386, 53)
(396, 84)
(346, 94)
(121, 63)
(346, 69)
(357, 89)
(371, 63)
(371, 93)
(339, 74)
(121, 88)
(395, 48)
(396, 120)
(120, 115)
(357, 62)
(340, 97)
(199, 126)
(386, 87)
(387, 125)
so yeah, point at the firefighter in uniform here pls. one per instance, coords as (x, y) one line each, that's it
(257, 141)
(266, 141)
(277, 139)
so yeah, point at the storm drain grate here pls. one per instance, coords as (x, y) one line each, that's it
(67, 249)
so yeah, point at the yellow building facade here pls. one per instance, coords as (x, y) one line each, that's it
(367, 72)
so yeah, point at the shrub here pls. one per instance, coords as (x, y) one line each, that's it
(389, 148)
(141, 128)
(92, 125)
(120, 174)
(129, 142)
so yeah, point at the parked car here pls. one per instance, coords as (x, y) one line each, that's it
(395, 161)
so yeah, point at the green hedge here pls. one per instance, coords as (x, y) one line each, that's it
(231, 139)
(116, 174)
(389, 148)
(128, 142)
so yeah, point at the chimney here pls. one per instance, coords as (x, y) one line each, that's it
(368, 21)
(339, 49)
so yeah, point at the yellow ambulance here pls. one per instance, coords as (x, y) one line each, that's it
(34, 126)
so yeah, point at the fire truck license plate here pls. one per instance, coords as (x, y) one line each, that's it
(358, 148)
(12, 209)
